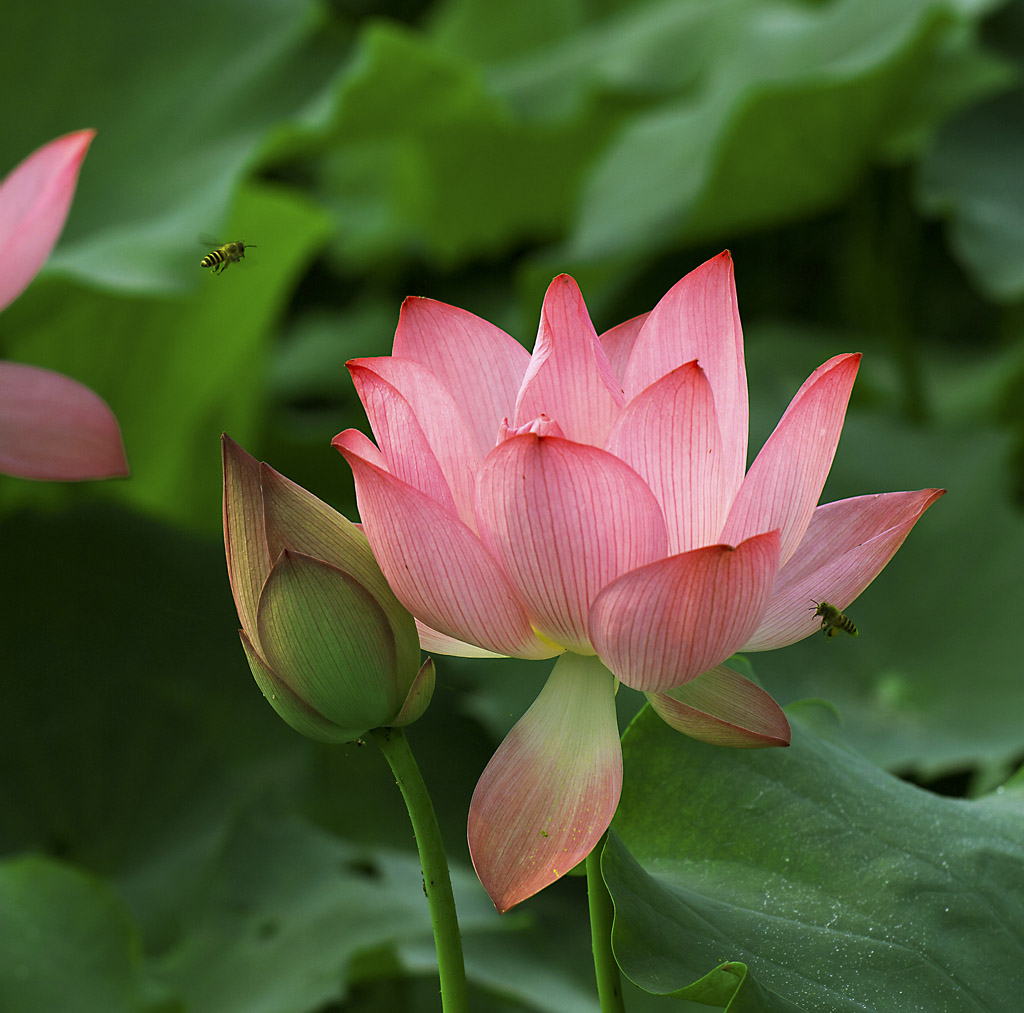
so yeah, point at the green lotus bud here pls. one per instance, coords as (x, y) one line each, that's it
(328, 643)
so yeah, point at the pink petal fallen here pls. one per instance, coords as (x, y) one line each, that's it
(785, 481)
(551, 789)
(34, 202)
(53, 428)
(400, 436)
(564, 519)
(723, 708)
(569, 379)
(459, 348)
(245, 541)
(618, 343)
(436, 566)
(669, 435)
(848, 543)
(666, 623)
(698, 318)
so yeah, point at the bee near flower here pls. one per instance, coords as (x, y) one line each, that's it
(229, 253)
(832, 620)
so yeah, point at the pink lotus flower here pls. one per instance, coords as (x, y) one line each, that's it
(51, 427)
(591, 502)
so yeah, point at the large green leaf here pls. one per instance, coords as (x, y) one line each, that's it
(808, 879)
(67, 943)
(796, 103)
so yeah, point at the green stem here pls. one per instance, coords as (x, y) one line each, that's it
(437, 883)
(609, 984)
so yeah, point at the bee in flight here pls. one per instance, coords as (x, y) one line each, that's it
(832, 620)
(229, 253)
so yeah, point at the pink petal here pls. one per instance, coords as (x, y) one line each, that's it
(540, 426)
(480, 365)
(569, 378)
(55, 429)
(434, 642)
(436, 566)
(666, 623)
(847, 545)
(725, 709)
(698, 318)
(359, 443)
(419, 429)
(402, 441)
(669, 435)
(564, 519)
(245, 541)
(551, 789)
(618, 343)
(34, 202)
(785, 481)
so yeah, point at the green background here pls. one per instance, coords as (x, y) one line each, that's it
(169, 844)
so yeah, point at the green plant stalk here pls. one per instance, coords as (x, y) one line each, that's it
(437, 883)
(609, 983)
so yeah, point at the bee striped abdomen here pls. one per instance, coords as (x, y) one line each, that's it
(229, 253)
(832, 620)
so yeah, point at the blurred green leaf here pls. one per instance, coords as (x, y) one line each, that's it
(799, 101)
(631, 59)
(825, 883)
(67, 943)
(972, 177)
(285, 910)
(176, 372)
(182, 100)
(309, 363)
(519, 967)
(423, 160)
(132, 720)
(485, 31)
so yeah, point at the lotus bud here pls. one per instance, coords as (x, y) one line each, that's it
(329, 645)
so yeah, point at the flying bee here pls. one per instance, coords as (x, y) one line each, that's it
(832, 620)
(229, 253)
